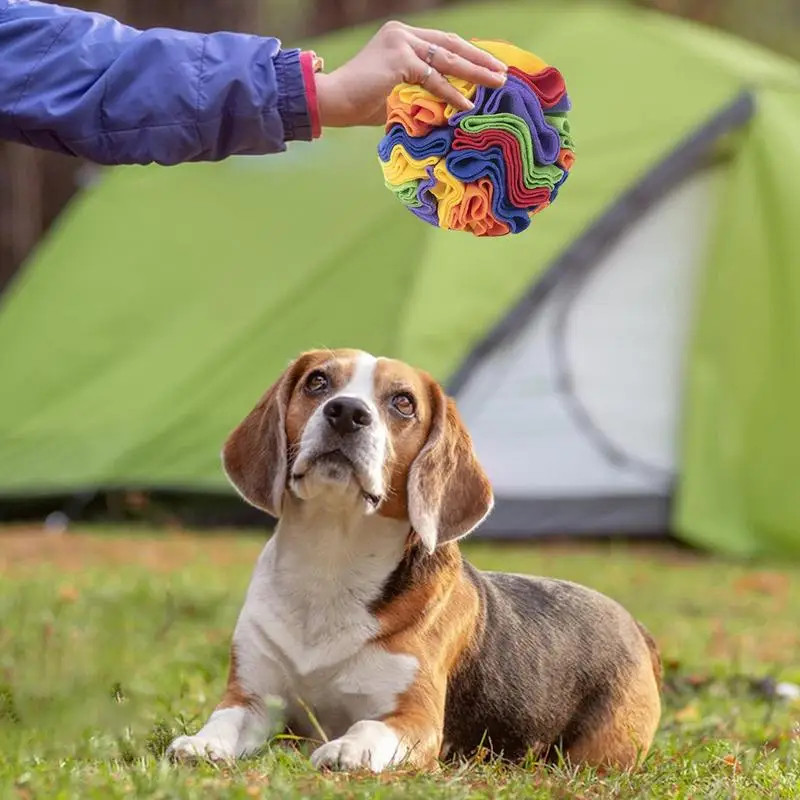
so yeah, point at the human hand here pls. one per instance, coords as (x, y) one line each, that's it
(355, 93)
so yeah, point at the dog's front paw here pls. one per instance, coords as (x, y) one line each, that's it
(191, 748)
(369, 744)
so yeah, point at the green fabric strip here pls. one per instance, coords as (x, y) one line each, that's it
(534, 176)
(406, 193)
(561, 124)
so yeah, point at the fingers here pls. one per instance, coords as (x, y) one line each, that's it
(438, 85)
(449, 63)
(425, 56)
(453, 44)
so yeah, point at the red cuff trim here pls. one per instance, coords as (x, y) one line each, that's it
(309, 64)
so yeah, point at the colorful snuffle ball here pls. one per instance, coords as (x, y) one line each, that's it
(488, 170)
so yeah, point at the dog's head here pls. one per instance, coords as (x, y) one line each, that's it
(343, 426)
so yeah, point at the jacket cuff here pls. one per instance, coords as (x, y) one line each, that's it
(292, 101)
(310, 64)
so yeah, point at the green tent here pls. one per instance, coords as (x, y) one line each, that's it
(629, 364)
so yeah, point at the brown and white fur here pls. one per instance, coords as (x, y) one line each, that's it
(362, 611)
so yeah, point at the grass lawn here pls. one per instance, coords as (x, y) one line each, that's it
(113, 642)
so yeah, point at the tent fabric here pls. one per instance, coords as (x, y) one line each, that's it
(738, 488)
(583, 253)
(165, 301)
(591, 384)
(145, 328)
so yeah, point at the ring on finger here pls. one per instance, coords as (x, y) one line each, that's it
(428, 73)
(431, 53)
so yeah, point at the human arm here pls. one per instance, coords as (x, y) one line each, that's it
(84, 84)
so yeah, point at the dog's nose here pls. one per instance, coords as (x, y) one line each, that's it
(347, 415)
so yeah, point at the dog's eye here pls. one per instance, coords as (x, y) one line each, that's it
(317, 382)
(403, 403)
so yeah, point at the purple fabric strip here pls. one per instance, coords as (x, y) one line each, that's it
(562, 106)
(435, 143)
(515, 97)
(417, 212)
(478, 100)
(558, 186)
(427, 210)
(469, 165)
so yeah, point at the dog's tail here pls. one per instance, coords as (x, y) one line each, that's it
(655, 655)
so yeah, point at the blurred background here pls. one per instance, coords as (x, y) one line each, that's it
(35, 187)
(627, 368)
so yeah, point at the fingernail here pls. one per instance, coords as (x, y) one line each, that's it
(470, 105)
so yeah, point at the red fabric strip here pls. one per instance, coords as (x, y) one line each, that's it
(548, 84)
(308, 63)
(518, 193)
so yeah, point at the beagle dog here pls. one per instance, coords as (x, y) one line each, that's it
(364, 625)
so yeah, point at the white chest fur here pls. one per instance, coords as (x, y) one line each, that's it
(305, 631)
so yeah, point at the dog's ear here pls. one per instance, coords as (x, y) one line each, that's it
(449, 494)
(255, 455)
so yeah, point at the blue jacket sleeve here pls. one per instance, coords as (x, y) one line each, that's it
(83, 84)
